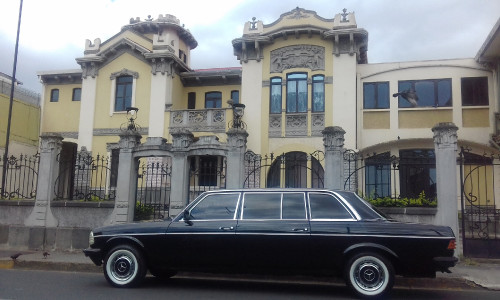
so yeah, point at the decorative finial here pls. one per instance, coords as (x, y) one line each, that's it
(149, 19)
(253, 24)
(344, 15)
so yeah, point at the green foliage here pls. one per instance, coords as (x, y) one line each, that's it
(420, 201)
(142, 212)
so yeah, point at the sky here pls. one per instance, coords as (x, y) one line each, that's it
(53, 32)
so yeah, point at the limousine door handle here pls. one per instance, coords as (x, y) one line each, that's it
(226, 228)
(300, 229)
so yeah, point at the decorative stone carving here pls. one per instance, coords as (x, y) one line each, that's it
(317, 123)
(124, 72)
(298, 13)
(162, 65)
(50, 141)
(445, 135)
(89, 69)
(129, 140)
(298, 56)
(182, 138)
(296, 125)
(333, 138)
(237, 137)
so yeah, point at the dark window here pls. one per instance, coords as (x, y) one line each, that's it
(123, 97)
(275, 100)
(431, 92)
(475, 91)
(417, 173)
(292, 167)
(263, 206)
(293, 206)
(376, 95)
(235, 96)
(213, 100)
(296, 93)
(216, 207)
(115, 160)
(191, 100)
(77, 94)
(208, 171)
(318, 91)
(378, 176)
(325, 206)
(54, 95)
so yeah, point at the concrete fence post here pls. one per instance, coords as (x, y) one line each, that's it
(333, 140)
(237, 145)
(179, 195)
(48, 170)
(126, 184)
(445, 145)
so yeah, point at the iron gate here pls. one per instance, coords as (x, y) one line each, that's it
(480, 213)
(288, 170)
(153, 189)
(206, 173)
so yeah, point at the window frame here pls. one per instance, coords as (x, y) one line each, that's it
(315, 82)
(297, 101)
(344, 205)
(191, 103)
(480, 82)
(73, 98)
(127, 100)
(276, 82)
(436, 92)
(54, 95)
(237, 194)
(282, 197)
(217, 102)
(417, 160)
(377, 102)
(237, 93)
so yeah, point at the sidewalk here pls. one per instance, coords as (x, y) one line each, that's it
(467, 274)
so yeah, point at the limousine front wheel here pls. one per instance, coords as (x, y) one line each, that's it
(124, 266)
(370, 275)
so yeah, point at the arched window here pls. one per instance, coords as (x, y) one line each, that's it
(292, 168)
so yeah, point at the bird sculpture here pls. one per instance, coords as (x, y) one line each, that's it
(409, 95)
(15, 256)
(45, 254)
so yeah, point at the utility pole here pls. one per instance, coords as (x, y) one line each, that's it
(13, 82)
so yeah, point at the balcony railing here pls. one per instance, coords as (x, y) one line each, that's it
(210, 120)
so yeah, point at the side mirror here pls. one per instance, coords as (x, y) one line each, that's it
(187, 217)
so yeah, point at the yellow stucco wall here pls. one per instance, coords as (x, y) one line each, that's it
(64, 115)
(424, 118)
(376, 120)
(475, 117)
(24, 122)
(182, 101)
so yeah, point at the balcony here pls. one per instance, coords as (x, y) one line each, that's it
(206, 120)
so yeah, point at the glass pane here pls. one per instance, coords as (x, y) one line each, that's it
(319, 97)
(302, 101)
(276, 99)
(293, 206)
(325, 206)
(291, 98)
(297, 76)
(369, 96)
(383, 95)
(444, 93)
(404, 86)
(425, 92)
(215, 207)
(263, 206)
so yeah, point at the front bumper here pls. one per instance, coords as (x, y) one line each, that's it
(443, 263)
(94, 254)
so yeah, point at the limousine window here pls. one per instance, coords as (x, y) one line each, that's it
(324, 206)
(274, 206)
(215, 207)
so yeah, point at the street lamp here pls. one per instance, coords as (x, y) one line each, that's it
(238, 112)
(131, 117)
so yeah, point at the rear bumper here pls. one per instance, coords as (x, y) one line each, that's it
(443, 263)
(94, 254)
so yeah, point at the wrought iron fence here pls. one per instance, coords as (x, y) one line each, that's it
(21, 177)
(153, 190)
(83, 177)
(292, 169)
(206, 173)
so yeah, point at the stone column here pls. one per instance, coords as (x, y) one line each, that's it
(445, 145)
(182, 139)
(333, 140)
(127, 179)
(237, 145)
(48, 170)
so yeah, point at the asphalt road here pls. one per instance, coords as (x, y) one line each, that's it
(28, 284)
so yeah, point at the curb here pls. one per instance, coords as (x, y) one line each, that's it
(6, 264)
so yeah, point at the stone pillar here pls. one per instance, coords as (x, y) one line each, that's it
(127, 179)
(48, 170)
(445, 145)
(237, 145)
(182, 139)
(333, 140)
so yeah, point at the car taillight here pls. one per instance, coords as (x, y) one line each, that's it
(452, 245)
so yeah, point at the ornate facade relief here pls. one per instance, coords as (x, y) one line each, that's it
(298, 56)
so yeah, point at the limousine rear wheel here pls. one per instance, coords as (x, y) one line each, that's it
(370, 275)
(124, 266)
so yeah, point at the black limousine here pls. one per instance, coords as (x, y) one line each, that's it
(289, 231)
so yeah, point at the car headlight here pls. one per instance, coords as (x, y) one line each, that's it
(91, 238)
